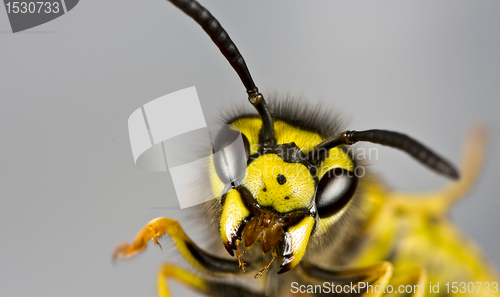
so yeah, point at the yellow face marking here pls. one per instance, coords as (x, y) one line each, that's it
(250, 127)
(286, 133)
(283, 133)
(300, 237)
(233, 213)
(337, 158)
(262, 181)
(305, 140)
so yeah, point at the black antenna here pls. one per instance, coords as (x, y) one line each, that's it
(392, 139)
(227, 47)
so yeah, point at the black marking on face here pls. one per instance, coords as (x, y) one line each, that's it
(281, 179)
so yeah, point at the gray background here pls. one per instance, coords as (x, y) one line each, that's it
(69, 190)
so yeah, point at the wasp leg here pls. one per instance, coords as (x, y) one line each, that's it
(201, 284)
(367, 282)
(439, 202)
(410, 283)
(193, 254)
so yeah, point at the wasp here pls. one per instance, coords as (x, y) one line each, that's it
(303, 216)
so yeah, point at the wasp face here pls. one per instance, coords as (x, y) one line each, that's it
(278, 194)
(279, 186)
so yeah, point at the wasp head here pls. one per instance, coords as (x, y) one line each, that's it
(275, 194)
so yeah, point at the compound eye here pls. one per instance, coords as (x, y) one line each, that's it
(231, 151)
(335, 190)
